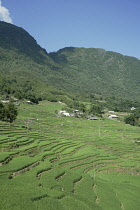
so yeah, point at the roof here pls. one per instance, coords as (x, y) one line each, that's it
(93, 118)
(113, 116)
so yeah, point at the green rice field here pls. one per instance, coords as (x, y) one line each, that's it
(52, 162)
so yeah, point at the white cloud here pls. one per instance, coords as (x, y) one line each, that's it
(5, 14)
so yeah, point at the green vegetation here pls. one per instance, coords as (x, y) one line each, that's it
(96, 109)
(121, 105)
(133, 118)
(97, 73)
(48, 161)
(28, 71)
(8, 112)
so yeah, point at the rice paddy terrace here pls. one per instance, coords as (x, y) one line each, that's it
(52, 162)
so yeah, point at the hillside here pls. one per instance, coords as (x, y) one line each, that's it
(17, 39)
(96, 71)
(68, 163)
(52, 161)
(24, 65)
(27, 69)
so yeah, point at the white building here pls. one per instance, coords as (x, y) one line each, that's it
(113, 116)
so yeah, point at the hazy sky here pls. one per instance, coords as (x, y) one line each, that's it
(113, 25)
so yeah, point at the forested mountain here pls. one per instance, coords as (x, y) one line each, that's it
(27, 69)
(24, 65)
(96, 71)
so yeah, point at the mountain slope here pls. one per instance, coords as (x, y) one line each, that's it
(78, 71)
(24, 65)
(98, 71)
(16, 38)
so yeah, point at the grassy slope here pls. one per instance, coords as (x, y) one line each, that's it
(68, 163)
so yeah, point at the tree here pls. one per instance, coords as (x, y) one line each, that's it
(130, 120)
(134, 118)
(82, 107)
(2, 111)
(8, 112)
(96, 109)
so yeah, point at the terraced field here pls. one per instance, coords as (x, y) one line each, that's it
(52, 162)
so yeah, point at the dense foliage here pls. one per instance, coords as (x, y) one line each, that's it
(28, 72)
(133, 118)
(98, 72)
(121, 105)
(8, 112)
(96, 109)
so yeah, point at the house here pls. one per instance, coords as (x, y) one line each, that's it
(72, 115)
(75, 111)
(93, 118)
(29, 102)
(133, 108)
(5, 101)
(113, 116)
(66, 114)
(63, 112)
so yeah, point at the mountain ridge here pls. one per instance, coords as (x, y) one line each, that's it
(84, 71)
(103, 68)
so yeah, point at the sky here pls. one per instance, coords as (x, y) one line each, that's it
(113, 25)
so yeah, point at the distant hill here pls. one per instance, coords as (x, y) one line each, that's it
(27, 69)
(97, 71)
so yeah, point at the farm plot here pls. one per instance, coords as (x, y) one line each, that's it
(53, 162)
